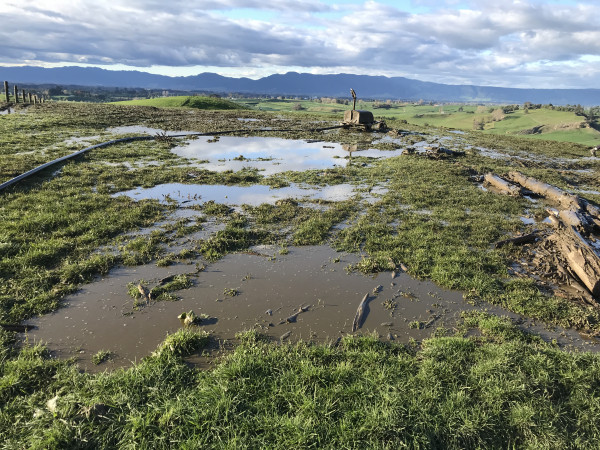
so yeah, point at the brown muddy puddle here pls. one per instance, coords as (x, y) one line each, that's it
(194, 194)
(256, 291)
(271, 155)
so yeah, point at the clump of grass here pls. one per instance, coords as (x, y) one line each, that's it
(183, 342)
(101, 356)
(230, 292)
(165, 291)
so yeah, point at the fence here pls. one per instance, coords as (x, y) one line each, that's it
(25, 97)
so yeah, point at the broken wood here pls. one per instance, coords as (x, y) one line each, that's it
(576, 219)
(145, 292)
(581, 258)
(517, 240)
(566, 200)
(501, 184)
(360, 312)
(284, 336)
(293, 317)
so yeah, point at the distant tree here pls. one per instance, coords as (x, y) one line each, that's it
(298, 107)
(56, 90)
(478, 124)
(498, 115)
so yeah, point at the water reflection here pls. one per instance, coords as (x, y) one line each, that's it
(271, 155)
(193, 194)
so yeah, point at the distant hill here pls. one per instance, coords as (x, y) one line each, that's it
(186, 102)
(300, 84)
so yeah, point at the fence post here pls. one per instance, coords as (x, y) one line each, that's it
(6, 91)
(16, 94)
(29, 96)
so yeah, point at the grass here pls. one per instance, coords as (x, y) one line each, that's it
(210, 103)
(558, 125)
(101, 356)
(504, 389)
(498, 387)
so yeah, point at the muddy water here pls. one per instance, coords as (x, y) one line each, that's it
(193, 194)
(268, 288)
(271, 155)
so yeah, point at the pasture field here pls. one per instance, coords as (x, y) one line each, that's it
(499, 360)
(557, 125)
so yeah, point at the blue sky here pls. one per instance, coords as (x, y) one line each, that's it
(511, 43)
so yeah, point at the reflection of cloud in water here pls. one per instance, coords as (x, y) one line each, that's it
(285, 154)
(191, 194)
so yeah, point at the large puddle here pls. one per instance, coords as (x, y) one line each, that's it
(255, 291)
(194, 194)
(272, 155)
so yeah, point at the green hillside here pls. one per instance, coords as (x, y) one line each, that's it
(186, 102)
(541, 123)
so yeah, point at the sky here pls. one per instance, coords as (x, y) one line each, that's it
(507, 43)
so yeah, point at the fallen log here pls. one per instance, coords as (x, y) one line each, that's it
(501, 184)
(581, 258)
(576, 219)
(360, 312)
(517, 240)
(566, 200)
(592, 210)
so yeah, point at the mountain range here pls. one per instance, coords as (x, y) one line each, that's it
(300, 84)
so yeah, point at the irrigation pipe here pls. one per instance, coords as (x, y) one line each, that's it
(137, 138)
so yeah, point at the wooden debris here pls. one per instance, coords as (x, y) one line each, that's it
(285, 335)
(501, 184)
(576, 219)
(580, 256)
(293, 317)
(517, 240)
(145, 292)
(360, 312)
(566, 200)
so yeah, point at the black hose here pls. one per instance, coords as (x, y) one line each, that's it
(138, 138)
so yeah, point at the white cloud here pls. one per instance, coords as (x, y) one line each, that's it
(515, 43)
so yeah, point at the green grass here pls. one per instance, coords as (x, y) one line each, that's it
(560, 126)
(185, 102)
(505, 389)
(502, 389)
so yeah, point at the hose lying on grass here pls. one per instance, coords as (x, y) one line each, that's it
(132, 139)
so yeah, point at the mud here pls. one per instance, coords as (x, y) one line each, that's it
(258, 290)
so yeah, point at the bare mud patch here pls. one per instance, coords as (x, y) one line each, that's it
(262, 290)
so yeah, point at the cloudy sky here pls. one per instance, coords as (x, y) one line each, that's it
(510, 43)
